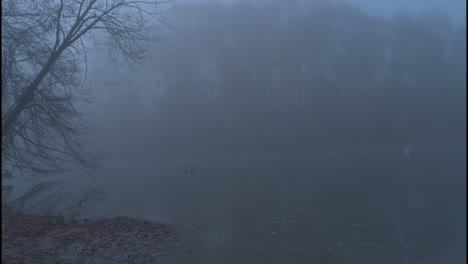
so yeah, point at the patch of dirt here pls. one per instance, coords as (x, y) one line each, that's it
(48, 239)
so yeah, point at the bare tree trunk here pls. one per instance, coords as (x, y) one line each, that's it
(26, 97)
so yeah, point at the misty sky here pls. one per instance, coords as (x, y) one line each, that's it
(456, 8)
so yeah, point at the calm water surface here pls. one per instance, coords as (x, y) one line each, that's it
(355, 206)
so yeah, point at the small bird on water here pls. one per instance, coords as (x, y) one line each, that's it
(187, 171)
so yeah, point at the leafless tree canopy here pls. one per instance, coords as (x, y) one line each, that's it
(44, 68)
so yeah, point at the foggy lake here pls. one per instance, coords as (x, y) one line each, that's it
(295, 207)
(264, 131)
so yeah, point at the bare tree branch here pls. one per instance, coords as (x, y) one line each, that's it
(44, 69)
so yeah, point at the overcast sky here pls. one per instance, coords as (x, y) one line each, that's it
(456, 8)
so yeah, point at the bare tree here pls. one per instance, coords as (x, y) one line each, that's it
(44, 66)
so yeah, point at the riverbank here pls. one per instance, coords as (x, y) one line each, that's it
(48, 239)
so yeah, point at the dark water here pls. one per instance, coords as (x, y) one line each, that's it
(324, 207)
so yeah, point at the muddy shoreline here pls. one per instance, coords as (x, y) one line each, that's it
(49, 239)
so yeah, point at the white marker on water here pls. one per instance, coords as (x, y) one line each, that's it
(406, 152)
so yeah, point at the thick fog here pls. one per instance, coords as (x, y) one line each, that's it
(281, 132)
(292, 131)
(455, 8)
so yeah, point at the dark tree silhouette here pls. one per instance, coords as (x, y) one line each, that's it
(44, 49)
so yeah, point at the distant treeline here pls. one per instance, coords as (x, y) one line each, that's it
(282, 76)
